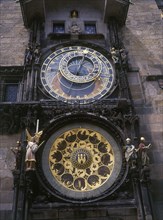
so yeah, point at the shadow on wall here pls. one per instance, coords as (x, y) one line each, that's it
(143, 52)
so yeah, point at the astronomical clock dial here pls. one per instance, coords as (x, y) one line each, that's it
(77, 73)
(81, 162)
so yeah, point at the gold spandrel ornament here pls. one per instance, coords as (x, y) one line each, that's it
(81, 159)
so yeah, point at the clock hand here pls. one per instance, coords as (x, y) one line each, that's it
(70, 87)
(80, 65)
(81, 62)
(77, 72)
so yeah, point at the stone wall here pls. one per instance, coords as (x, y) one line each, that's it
(7, 164)
(13, 41)
(90, 213)
(143, 38)
(13, 35)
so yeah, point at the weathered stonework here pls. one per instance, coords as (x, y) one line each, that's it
(13, 41)
(13, 35)
(143, 35)
(143, 39)
(7, 164)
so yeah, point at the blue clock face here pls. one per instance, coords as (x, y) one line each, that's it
(77, 73)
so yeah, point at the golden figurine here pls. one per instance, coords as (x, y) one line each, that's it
(31, 149)
(74, 14)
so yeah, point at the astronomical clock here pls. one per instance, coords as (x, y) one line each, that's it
(76, 87)
(75, 112)
(82, 157)
(77, 73)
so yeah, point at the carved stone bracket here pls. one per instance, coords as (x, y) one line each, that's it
(15, 117)
(20, 115)
(32, 54)
(16, 175)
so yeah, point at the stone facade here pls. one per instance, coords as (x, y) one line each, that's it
(7, 163)
(13, 40)
(13, 35)
(143, 34)
(142, 37)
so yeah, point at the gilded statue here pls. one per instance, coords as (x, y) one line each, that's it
(31, 148)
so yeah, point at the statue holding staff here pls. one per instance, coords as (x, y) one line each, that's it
(32, 147)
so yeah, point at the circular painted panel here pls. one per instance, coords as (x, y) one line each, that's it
(81, 162)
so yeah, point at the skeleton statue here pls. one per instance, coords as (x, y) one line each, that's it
(118, 54)
(31, 149)
(115, 54)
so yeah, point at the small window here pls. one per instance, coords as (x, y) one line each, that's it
(11, 92)
(59, 28)
(90, 28)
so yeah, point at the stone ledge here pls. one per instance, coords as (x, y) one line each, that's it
(6, 206)
(6, 197)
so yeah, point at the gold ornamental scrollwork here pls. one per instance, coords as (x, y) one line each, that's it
(81, 159)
